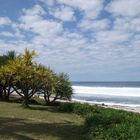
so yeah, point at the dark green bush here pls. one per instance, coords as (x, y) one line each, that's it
(66, 107)
(114, 125)
(84, 109)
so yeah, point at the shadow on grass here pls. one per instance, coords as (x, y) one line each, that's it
(23, 129)
(44, 108)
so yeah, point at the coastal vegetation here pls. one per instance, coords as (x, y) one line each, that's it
(21, 75)
(38, 88)
(66, 121)
(106, 123)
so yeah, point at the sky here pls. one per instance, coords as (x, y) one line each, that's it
(91, 40)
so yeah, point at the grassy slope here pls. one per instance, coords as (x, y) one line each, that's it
(47, 123)
(38, 123)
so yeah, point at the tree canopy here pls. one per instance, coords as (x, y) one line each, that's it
(22, 75)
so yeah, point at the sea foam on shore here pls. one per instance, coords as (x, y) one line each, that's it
(122, 96)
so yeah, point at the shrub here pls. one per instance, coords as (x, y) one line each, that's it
(84, 109)
(66, 107)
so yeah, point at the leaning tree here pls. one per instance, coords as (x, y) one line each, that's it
(59, 87)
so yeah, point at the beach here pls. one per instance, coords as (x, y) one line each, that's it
(126, 108)
(117, 95)
(118, 107)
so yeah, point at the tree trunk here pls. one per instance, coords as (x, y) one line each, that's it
(47, 99)
(1, 93)
(6, 95)
(25, 102)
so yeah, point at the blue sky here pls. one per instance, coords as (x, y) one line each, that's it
(91, 40)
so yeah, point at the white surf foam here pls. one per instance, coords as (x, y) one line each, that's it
(111, 91)
(107, 103)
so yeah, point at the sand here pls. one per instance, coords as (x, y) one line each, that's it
(126, 108)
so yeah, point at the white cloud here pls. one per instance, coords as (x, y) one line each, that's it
(94, 25)
(128, 8)
(4, 21)
(48, 2)
(32, 20)
(7, 34)
(63, 13)
(112, 36)
(127, 24)
(36, 10)
(72, 50)
(91, 8)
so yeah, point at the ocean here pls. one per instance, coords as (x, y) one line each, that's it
(108, 93)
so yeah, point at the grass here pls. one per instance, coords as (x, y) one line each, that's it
(38, 123)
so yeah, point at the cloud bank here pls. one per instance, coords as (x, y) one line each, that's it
(89, 39)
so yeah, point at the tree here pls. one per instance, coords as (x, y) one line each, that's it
(27, 77)
(6, 82)
(63, 88)
(1, 88)
(3, 60)
(59, 88)
(10, 55)
(48, 83)
(6, 75)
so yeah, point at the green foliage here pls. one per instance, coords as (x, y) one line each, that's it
(63, 86)
(3, 60)
(114, 125)
(6, 82)
(78, 108)
(28, 78)
(6, 75)
(106, 124)
(66, 107)
(55, 86)
(84, 109)
(10, 55)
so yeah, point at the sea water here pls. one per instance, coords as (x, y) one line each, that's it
(108, 93)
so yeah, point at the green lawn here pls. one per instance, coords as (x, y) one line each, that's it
(38, 123)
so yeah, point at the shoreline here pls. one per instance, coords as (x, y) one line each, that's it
(117, 107)
(125, 108)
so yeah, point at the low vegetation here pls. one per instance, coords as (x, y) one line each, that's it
(66, 121)
(106, 124)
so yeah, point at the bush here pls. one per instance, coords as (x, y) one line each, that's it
(36, 100)
(84, 109)
(66, 107)
(77, 108)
